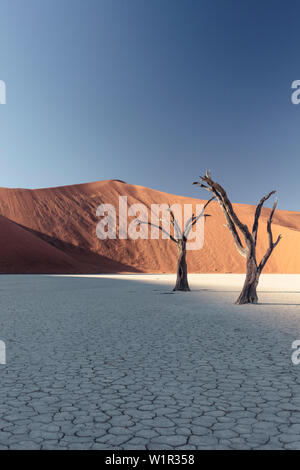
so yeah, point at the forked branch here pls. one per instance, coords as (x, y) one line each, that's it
(272, 244)
(159, 227)
(194, 219)
(233, 222)
(257, 214)
(178, 232)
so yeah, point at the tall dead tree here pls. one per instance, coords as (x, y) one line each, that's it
(248, 249)
(180, 238)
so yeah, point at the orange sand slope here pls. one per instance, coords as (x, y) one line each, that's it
(53, 230)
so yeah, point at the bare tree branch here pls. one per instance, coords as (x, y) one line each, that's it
(237, 241)
(193, 220)
(231, 218)
(248, 294)
(159, 227)
(257, 215)
(221, 193)
(270, 236)
(177, 229)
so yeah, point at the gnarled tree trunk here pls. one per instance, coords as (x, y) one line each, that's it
(248, 294)
(182, 280)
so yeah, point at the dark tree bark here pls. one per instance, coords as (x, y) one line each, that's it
(249, 294)
(248, 249)
(182, 280)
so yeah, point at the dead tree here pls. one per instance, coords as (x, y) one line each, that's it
(248, 248)
(180, 238)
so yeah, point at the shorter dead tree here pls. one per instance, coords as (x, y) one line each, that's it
(248, 249)
(180, 237)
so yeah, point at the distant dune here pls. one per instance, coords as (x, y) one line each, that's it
(53, 230)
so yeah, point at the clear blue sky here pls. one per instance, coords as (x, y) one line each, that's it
(153, 92)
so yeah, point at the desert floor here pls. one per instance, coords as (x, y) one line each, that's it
(122, 362)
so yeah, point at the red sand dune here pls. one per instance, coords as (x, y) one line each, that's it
(53, 230)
